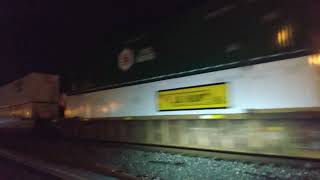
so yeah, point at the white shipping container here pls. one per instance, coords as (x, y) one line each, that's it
(34, 87)
(23, 97)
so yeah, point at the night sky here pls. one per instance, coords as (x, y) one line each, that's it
(52, 36)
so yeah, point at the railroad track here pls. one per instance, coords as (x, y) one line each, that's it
(79, 172)
(209, 153)
(199, 161)
(157, 162)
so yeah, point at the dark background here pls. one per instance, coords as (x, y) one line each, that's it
(62, 36)
(52, 36)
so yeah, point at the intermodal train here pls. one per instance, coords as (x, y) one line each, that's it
(212, 60)
(242, 77)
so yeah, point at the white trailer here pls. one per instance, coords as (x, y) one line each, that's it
(36, 95)
(291, 84)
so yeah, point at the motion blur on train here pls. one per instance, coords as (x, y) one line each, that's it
(242, 77)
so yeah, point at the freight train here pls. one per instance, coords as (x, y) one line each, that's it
(246, 55)
(242, 77)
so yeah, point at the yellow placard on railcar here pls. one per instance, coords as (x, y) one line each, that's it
(197, 97)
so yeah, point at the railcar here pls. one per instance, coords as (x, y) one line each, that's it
(242, 77)
(230, 59)
(32, 97)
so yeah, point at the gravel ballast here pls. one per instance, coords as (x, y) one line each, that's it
(161, 165)
(149, 164)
